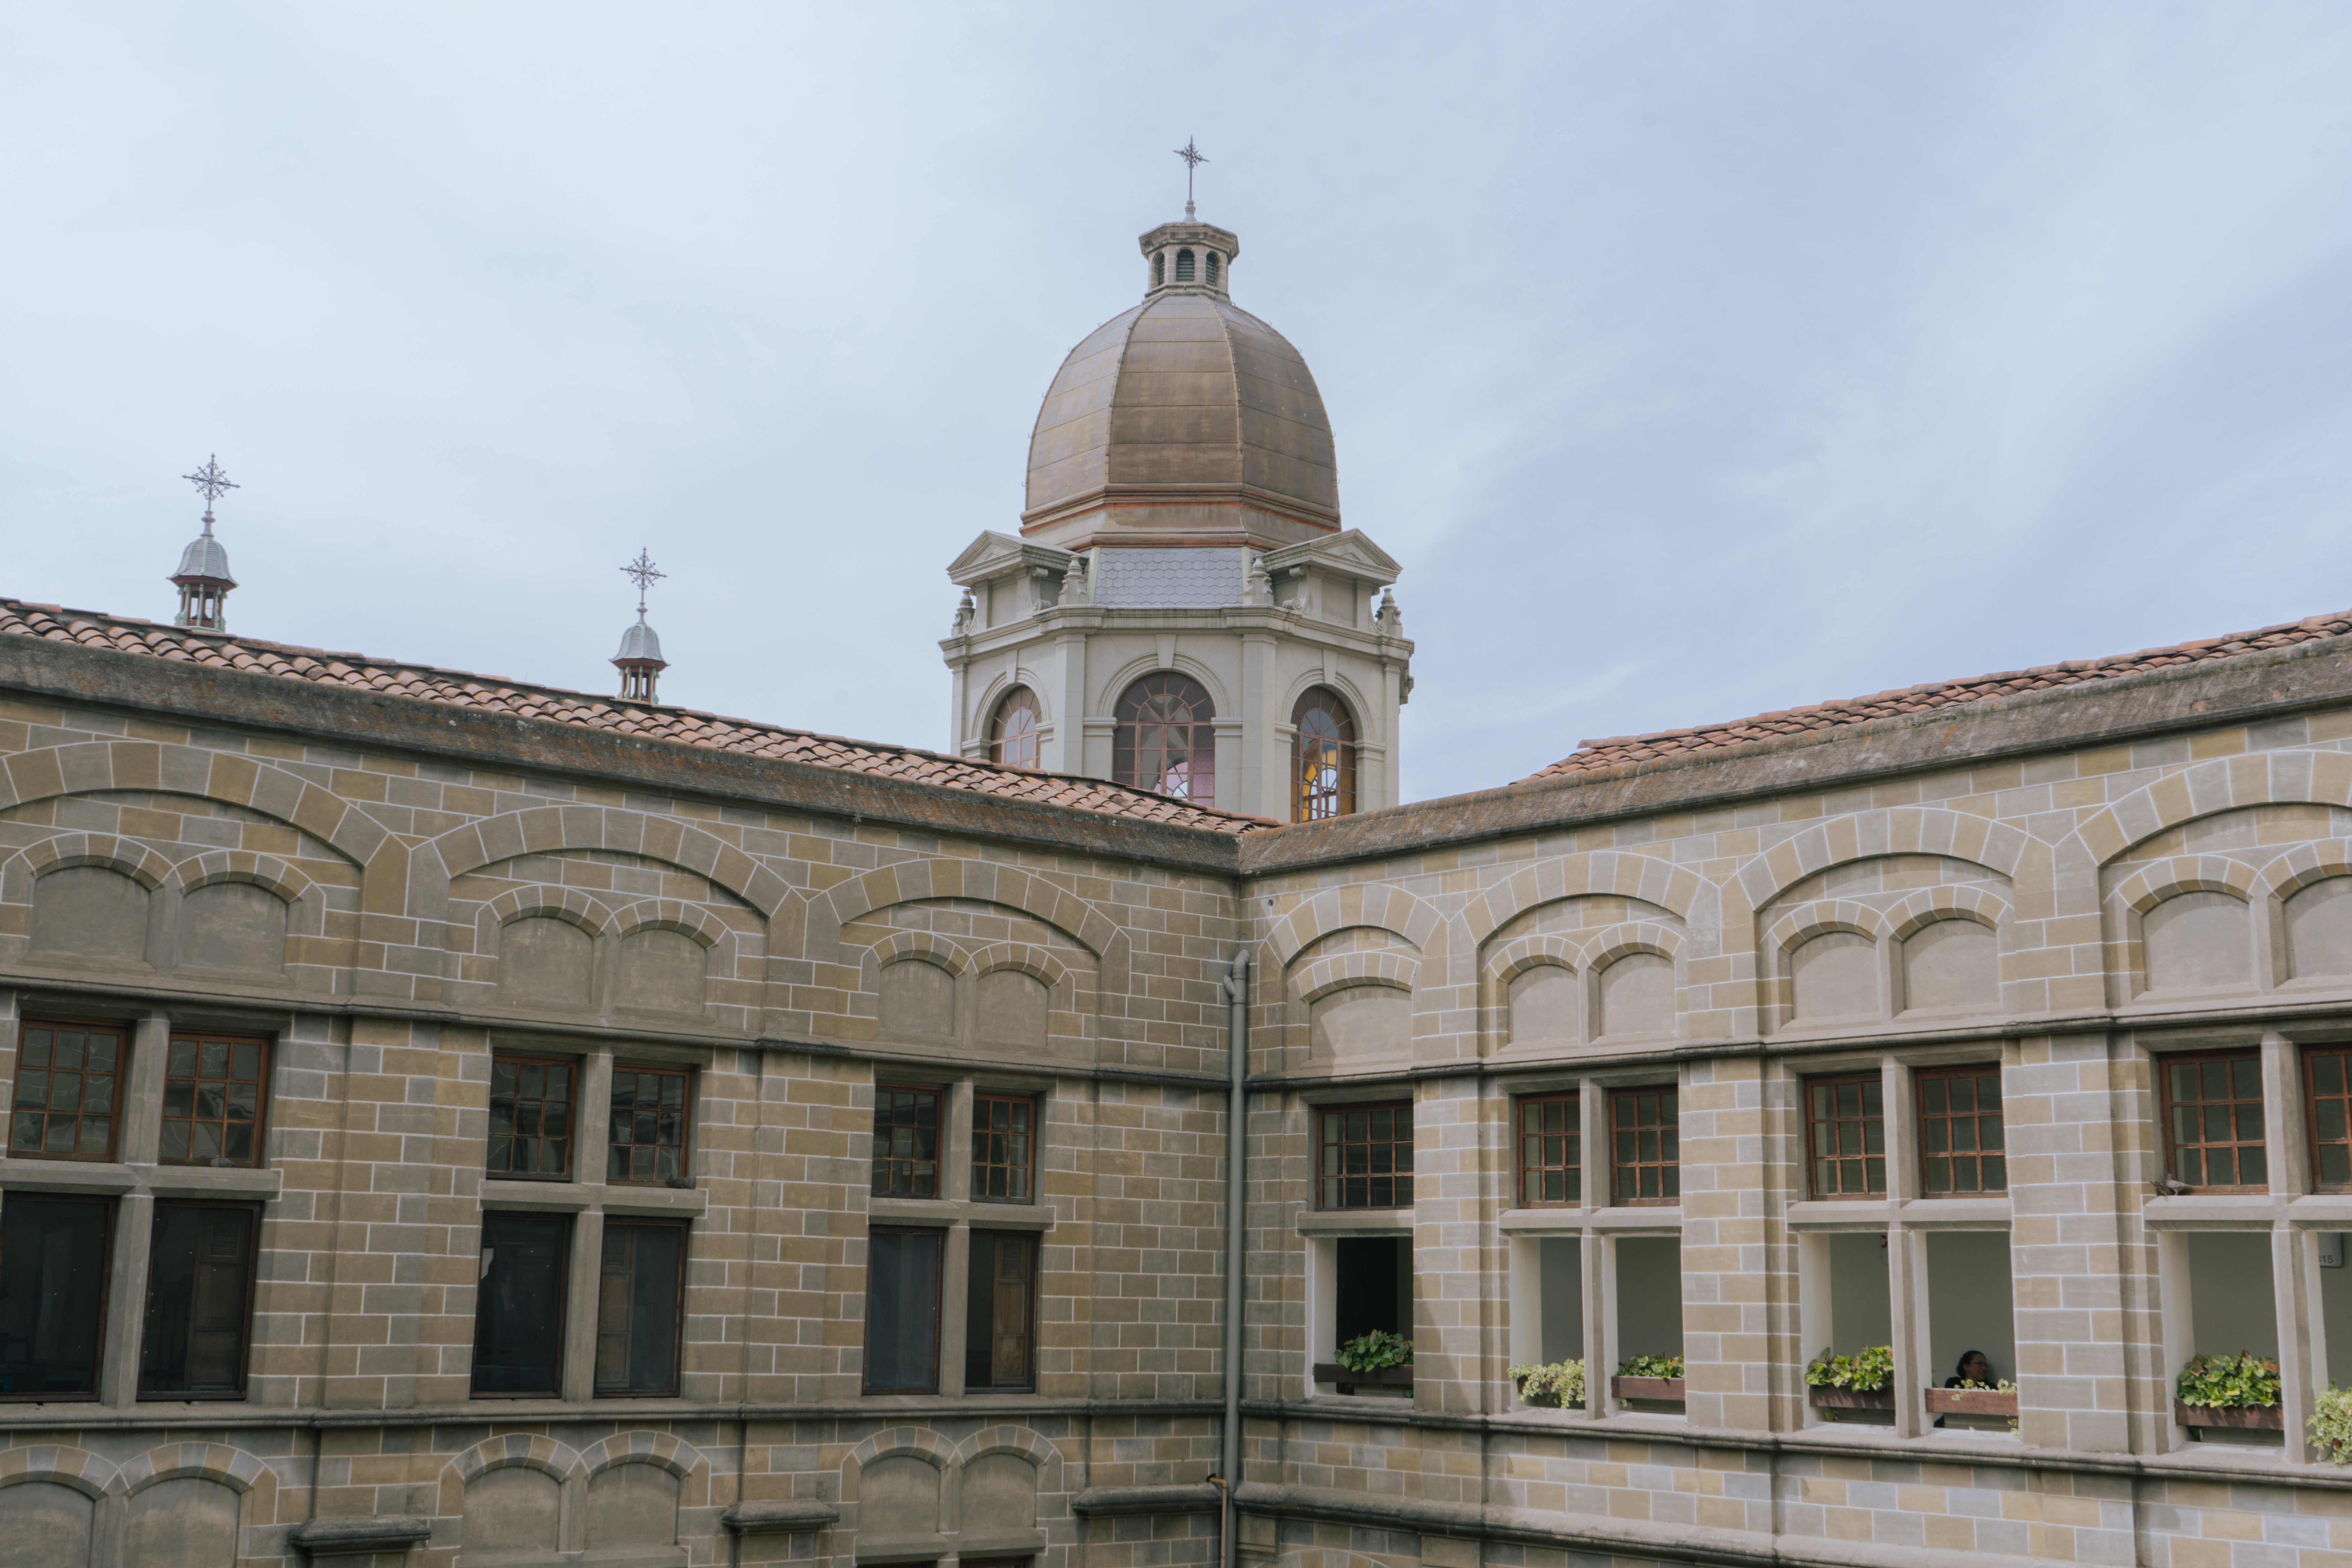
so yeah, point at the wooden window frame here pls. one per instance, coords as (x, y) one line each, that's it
(684, 1229)
(111, 1155)
(1036, 1243)
(1921, 1116)
(579, 1069)
(570, 1226)
(2166, 1061)
(938, 1310)
(1036, 1103)
(1871, 1083)
(1521, 1137)
(252, 1283)
(686, 1131)
(1395, 1173)
(111, 1208)
(882, 1163)
(1027, 746)
(2311, 1099)
(261, 1101)
(1618, 1167)
(1309, 801)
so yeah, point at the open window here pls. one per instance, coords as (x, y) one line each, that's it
(1647, 1343)
(1000, 1341)
(2219, 1301)
(1846, 1307)
(640, 1299)
(1971, 1332)
(199, 1300)
(1363, 1285)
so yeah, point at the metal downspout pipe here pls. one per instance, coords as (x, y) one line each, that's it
(1236, 1242)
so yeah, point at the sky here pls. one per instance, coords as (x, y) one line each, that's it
(1694, 359)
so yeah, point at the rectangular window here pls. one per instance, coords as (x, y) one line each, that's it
(519, 1308)
(906, 1142)
(531, 1116)
(2213, 1120)
(1845, 1136)
(54, 1254)
(69, 1090)
(1647, 1132)
(214, 1085)
(999, 1310)
(1960, 1143)
(1551, 1151)
(1367, 1157)
(646, 1142)
(199, 1301)
(1003, 1148)
(2327, 1089)
(902, 1311)
(640, 1293)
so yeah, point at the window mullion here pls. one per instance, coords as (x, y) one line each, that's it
(126, 1297)
(583, 1287)
(955, 1275)
(136, 1141)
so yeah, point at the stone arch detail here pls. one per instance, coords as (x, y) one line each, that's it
(669, 914)
(290, 883)
(62, 1463)
(1107, 696)
(680, 1458)
(1806, 921)
(1604, 872)
(1375, 904)
(515, 1450)
(2203, 789)
(2152, 884)
(1361, 708)
(1928, 905)
(1343, 971)
(1018, 1441)
(551, 830)
(132, 859)
(980, 881)
(1871, 834)
(1515, 958)
(896, 1442)
(1606, 946)
(569, 905)
(232, 1467)
(998, 688)
(2306, 864)
(88, 767)
(1028, 959)
(921, 946)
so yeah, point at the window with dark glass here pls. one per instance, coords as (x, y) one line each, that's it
(69, 1090)
(1551, 1151)
(906, 1142)
(2214, 1121)
(1013, 736)
(640, 1293)
(1322, 758)
(1647, 1139)
(1003, 1148)
(2327, 1091)
(54, 1253)
(518, 1306)
(999, 1310)
(213, 1089)
(902, 1311)
(530, 1115)
(644, 1138)
(1846, 1135)
(1961, 1149)
(1162, 739)
(199, 1301)
(1367, 1157)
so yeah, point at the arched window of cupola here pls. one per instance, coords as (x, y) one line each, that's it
(1184, 266)
(1164, 741)
(1322, 758)
(1159, 269)
(1213, 268)
(1013, 735)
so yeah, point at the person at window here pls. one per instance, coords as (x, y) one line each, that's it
(1974, 1371)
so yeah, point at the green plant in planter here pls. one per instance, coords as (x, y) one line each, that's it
(1652, 1366)
(1372, 1352)
(2331, 1423)
(1867, 1371)
(1557, 1386)
(2241, 1382)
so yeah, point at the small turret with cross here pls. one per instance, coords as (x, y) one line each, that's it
(203, 578)
(640, 659)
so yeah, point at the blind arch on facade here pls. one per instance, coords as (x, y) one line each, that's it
(1012, 734)
(1322, 757)
(1164, 739)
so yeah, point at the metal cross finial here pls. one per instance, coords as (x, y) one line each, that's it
(1194, 159)
(641, 571)
(214, 482)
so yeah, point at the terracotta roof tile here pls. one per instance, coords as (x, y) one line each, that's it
(1592, 756)
(680, 726)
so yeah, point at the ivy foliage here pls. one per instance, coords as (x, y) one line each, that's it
(2331, 1423)
(2241, 1382)
(1558, 1385)
(1867, 1371)
(1372, 1352)
(1652, 1366)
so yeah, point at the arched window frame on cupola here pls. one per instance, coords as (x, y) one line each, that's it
(1184, 265)
(1322, 757)
(1212, 269)
(1015, 733)
(1159, 269)
(1164, 738)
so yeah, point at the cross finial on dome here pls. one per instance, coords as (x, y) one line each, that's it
(641, 571)
(1193, 158)
(213, 481)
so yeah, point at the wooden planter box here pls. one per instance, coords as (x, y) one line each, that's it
(1332, 1372)
(1968, 1402)
(1667, 1390)
(2254, 1418)
(1847, 1399)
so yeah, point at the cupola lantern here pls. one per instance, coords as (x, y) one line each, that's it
(203, 578)
(640, 659)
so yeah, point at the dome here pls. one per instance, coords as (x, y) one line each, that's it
(639, 644)
(1184, 418)
(204, 558)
